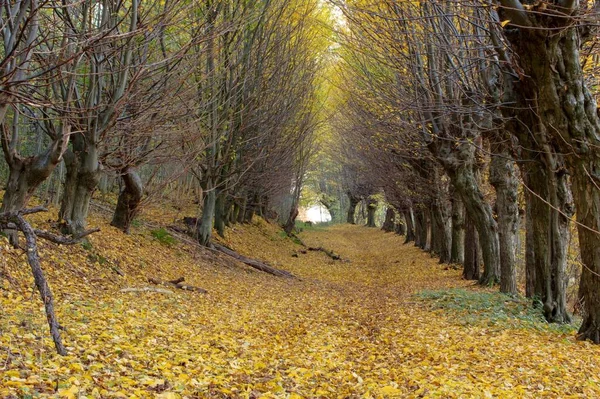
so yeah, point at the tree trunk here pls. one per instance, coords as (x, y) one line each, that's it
(82, 180)
(228, 212)
(235, 213)
(420, 229)
(410, 226)
(457, 252)
(208, 215)
(553, 101)
(440, 234)
(471, 264)
(587, 198)
(24, 176)
(219, 218)
(371, 208)
(388, 224)
(530, 280)
(129, 200)
(400, 225)
(22, 182)
(550, 237)
(352, 208)
(503, 178)
(291, 221)
(480, 213)
(242, 211)
(251, 208)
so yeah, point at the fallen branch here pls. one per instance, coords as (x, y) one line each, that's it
(40, 282)
(253, 262)
(15, 220)
(327, 252)
(63, 240)
(178, 283)
(147, 289)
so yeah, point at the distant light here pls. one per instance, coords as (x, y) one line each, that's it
(318, 214)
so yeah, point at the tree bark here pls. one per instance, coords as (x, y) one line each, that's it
(219, 219)
(371, 208)
(352, 208)
(530, 280)
(82, 179)
(410, 226)
(440, 234)
(420, 229)
(129, 200)
(242, 211)
(550, 202)
(503, 178)
(457, 251)
(588, 209)
(208, 214)
(471, 264)
(26, 174)
(480, 213)
(388, 224)
(291, 221)
(553, 101)
(400, 225)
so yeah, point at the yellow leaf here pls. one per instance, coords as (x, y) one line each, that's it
(390, 390)
(70, 393)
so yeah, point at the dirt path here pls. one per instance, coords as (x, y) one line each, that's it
(345, 330)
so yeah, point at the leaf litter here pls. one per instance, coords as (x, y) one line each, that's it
(342, 330)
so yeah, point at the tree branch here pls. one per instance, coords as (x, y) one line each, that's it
(516, 12)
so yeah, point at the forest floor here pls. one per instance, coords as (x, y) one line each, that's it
(387, 321)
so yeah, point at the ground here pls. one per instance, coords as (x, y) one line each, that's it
(387, 321)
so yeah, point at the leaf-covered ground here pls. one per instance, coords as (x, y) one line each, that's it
(343, 330)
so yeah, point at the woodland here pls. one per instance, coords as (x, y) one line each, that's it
(157, 155)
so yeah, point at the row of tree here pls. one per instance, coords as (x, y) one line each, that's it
(471, 114)
(222, 94)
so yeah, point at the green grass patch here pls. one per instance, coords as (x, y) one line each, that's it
(87, 245)
(491, 309)
(163, 237)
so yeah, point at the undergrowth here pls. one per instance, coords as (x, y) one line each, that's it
(492, 309)
(163, 237)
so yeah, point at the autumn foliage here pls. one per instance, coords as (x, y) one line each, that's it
(359, 327)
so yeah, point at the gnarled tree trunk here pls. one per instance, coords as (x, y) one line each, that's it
(208, 215)
(471, 264)
(352, 208)
(440, 233)
(530, 280)
(388, 224)
(83, 172)
(421, 229)
(219, 219)
(549, 206)
(457, 251)
(553, 101)
(129, 200)
(503, 178)
(410, 226)
(480, 213)
(371, 208)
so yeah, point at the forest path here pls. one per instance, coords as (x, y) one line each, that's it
(342, 330)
